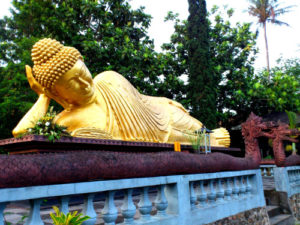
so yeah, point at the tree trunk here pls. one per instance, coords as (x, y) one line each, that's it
(267, 49)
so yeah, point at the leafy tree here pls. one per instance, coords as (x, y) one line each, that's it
(108, 33)
(202, 87)
(232, 54)
(278, 93)
(233, 50)
(267, 11)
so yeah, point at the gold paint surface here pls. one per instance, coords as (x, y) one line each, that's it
(107, 106)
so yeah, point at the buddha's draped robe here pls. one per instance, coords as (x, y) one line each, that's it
(140, 117)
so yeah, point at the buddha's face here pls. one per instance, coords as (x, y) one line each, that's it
(76, 86)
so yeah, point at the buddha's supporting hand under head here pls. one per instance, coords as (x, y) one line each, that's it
(32, 82)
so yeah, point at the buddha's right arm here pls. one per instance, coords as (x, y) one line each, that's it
(37, 111)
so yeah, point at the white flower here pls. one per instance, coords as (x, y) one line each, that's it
(30, 130)
(39, 123)
(47, 124)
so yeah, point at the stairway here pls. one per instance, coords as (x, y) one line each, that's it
(277, 217)
(278, 208)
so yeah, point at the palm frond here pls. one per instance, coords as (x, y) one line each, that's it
(268, 11)
(284, 10)
(278, 22)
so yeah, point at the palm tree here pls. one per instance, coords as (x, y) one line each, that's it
(267, 11)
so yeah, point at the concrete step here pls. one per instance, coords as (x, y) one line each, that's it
(282, 219)
(273, 210)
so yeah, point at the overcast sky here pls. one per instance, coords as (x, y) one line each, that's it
(283, 41)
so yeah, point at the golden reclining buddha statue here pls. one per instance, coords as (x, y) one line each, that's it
(106, 107)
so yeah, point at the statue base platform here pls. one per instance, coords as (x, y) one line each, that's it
(33, 160)
(40, 144)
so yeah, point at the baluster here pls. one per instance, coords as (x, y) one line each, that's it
(265, 172)
(35, 216)
(2, 207)
(272, 171)
(212, 194)
(235, 190)
(203, 195)
(128, 208)
(161, 202)
(109, 212)
(64, 204)
(193, 197)
(220, 193)
(290, 177)
(145, 206)
(291, 174)
(228, 190)
(294, 177)
(88, 209)
(248, 186)
(242, 188)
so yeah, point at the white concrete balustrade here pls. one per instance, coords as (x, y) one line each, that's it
(182, 199)
(287, 179)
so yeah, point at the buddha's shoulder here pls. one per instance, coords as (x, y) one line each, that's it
(111, 78)
(107, 75)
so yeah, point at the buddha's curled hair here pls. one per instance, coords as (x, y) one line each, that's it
(51, 60)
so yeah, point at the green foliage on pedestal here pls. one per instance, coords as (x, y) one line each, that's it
(198, 140)
(46, 127)
(202, 85)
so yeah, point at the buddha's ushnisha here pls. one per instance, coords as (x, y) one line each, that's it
(107, 106)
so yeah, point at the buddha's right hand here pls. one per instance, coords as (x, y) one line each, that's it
(32, 81)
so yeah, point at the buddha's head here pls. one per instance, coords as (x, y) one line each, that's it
(62, 72)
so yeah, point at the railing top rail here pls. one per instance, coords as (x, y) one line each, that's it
(292, 168)
(227, 174)
(34, 192)
(267, 166)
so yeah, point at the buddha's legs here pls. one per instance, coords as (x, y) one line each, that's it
(183, 125)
